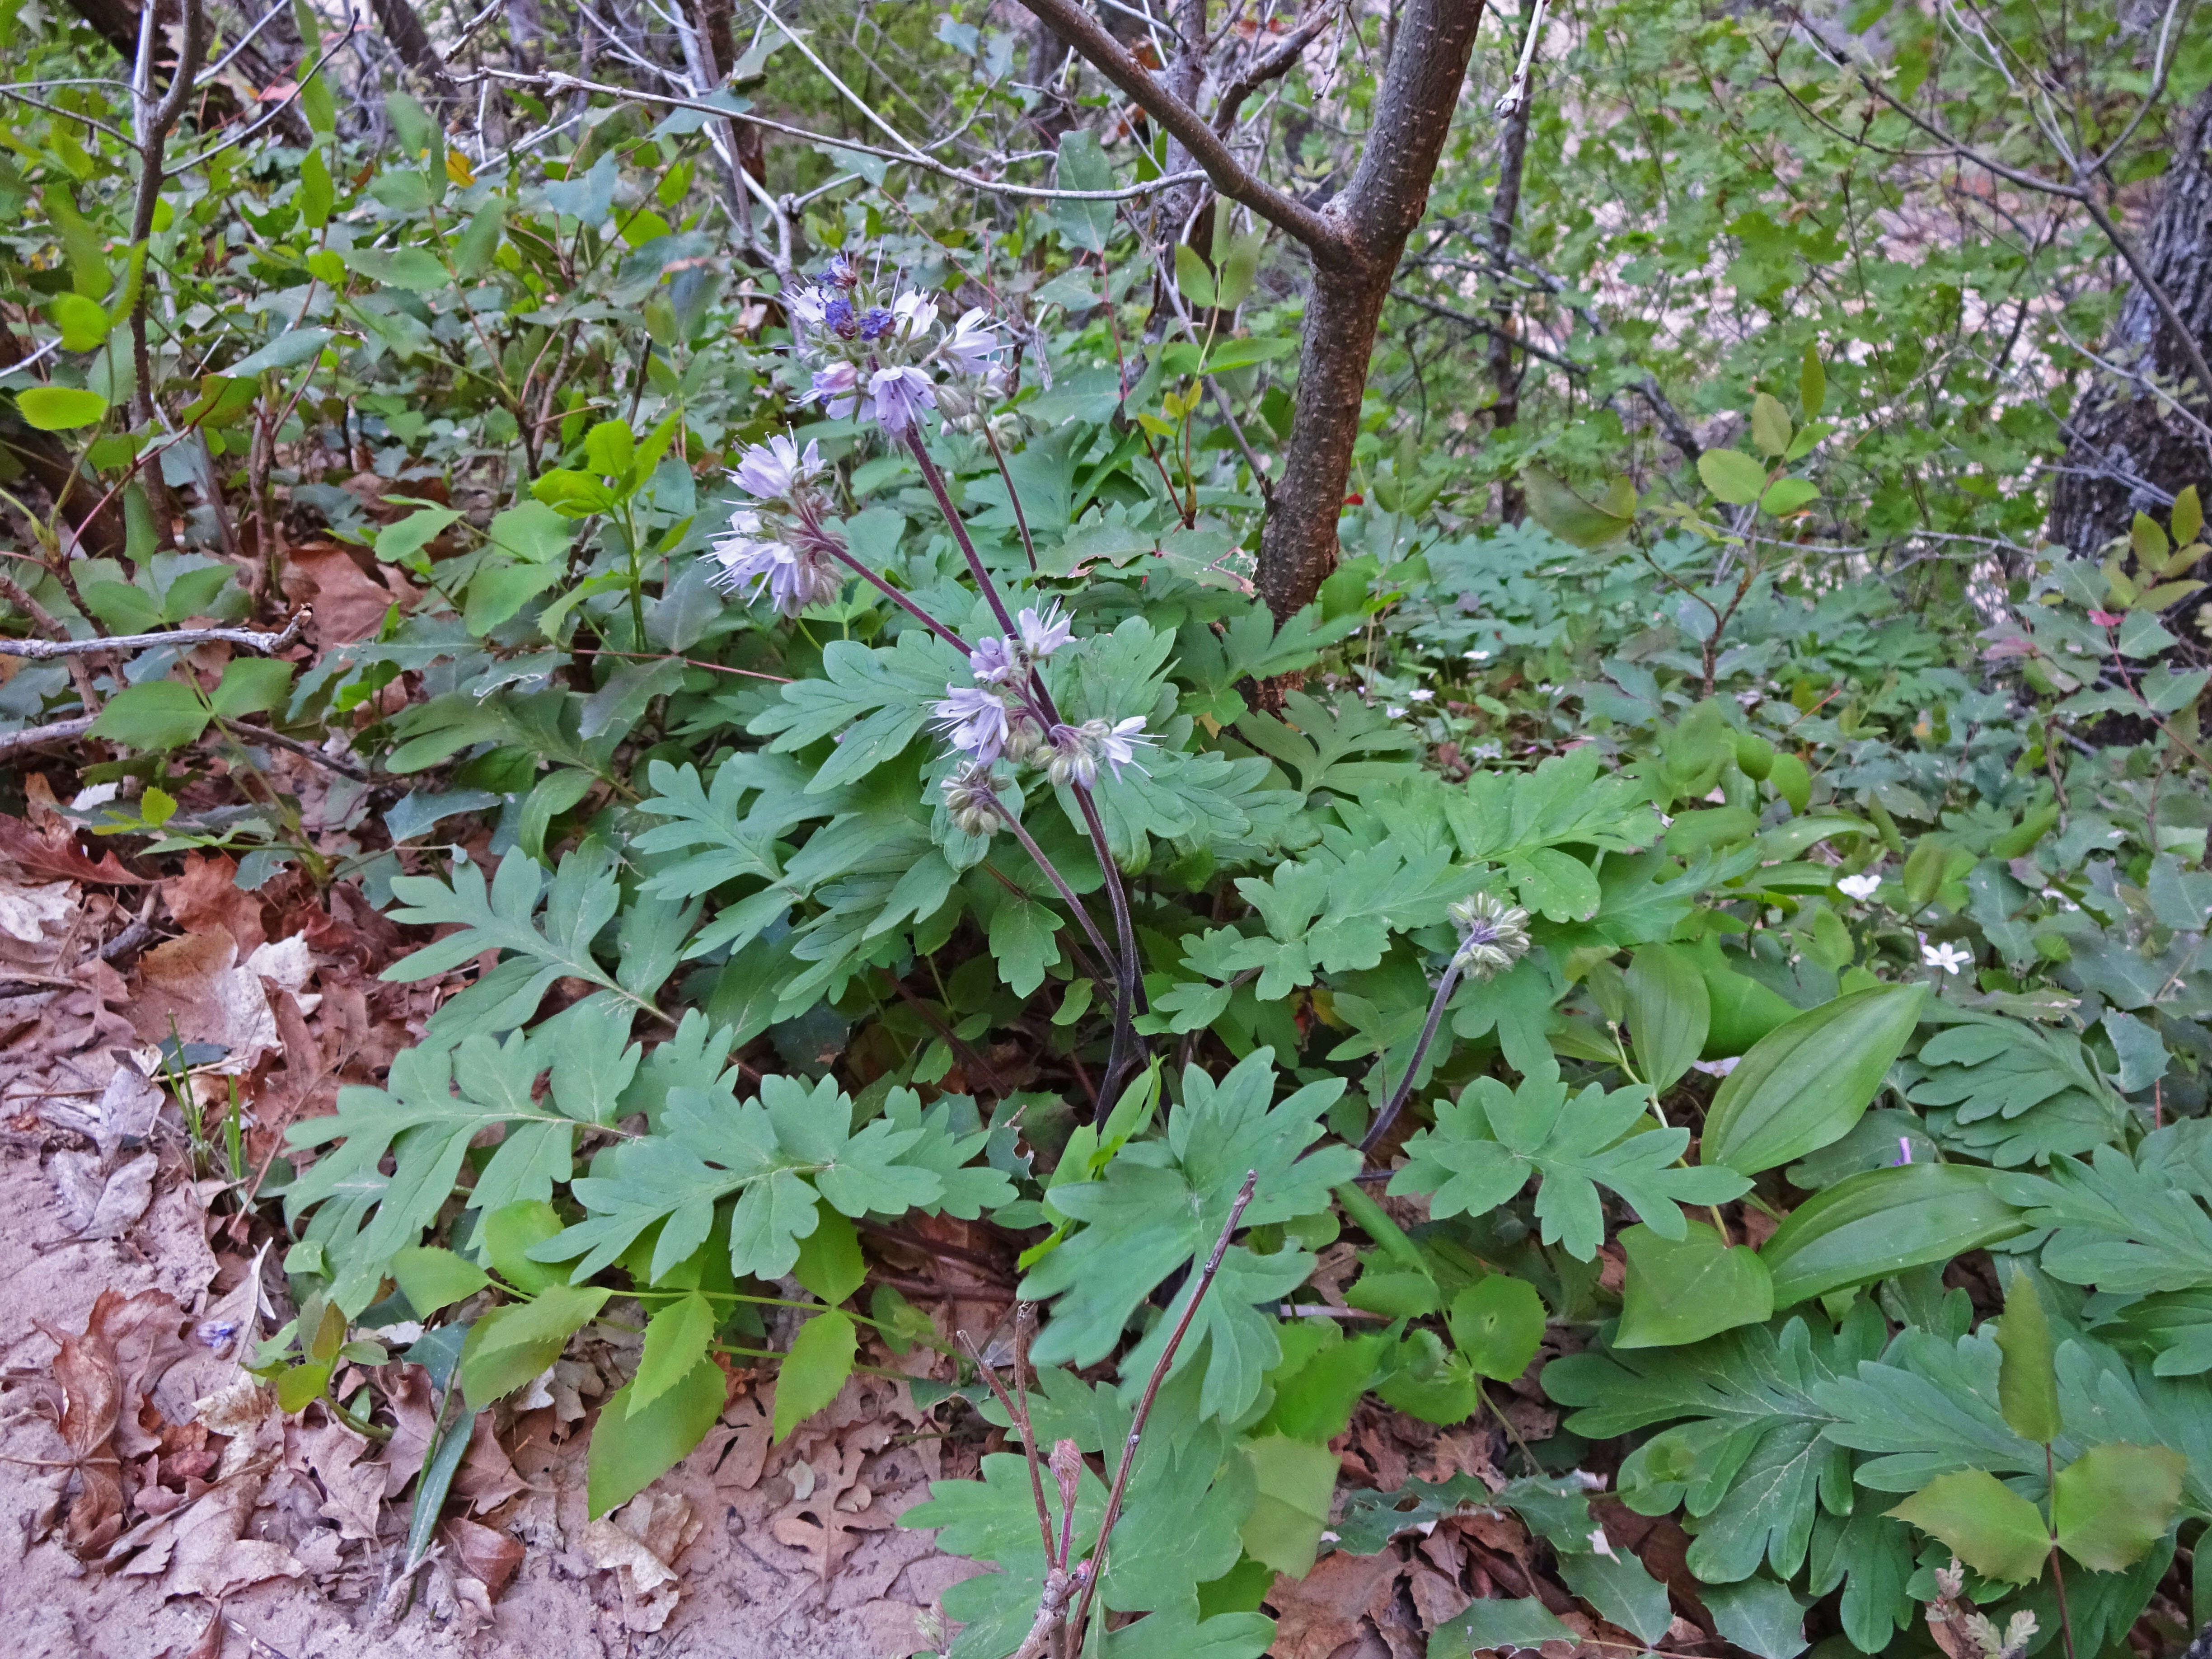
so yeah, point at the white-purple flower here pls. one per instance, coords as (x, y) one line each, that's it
(899, 396)
(806, 306)
(796, 578)
(1042, 634)
(770, 471)
(972, 347)
(974, 720)
(838, 389)
(913, 313)
(992, 661)
(1077, 751)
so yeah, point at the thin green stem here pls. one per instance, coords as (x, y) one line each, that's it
(1404, 1088)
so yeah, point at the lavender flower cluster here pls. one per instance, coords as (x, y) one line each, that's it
(1006, 714)
(883, 352)
(873, 353)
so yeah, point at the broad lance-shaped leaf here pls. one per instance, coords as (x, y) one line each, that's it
(1684, 1290)
(1161, 1204)
(1881, 1223)
(2027, 1378)
(1485, 1145)
(1748, 1455)
(776, 1153)
(1804, 1083)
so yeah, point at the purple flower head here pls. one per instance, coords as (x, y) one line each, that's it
(900, 395)
(1042, 634)
(795, 577)
(772, 471)
(875, 323)
(838, 389)
(992, 662)
(838, 318)
(972, 347)
(840, 271)
(974, 721)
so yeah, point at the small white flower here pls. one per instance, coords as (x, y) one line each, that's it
(1421, 694)
(1949, 958)
(1477, 656)
(1716, 1067)
(1042, 634)
(772, 471)
(899, 396)
(1861, 888)
(1396, 711)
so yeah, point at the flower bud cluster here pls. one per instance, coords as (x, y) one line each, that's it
(1493, 935)
(884, 354)
(1003, 715)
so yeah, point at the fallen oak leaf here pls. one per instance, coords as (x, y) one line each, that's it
(53, 851)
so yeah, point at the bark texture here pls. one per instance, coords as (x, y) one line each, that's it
(2129, 450)
(1376, 213)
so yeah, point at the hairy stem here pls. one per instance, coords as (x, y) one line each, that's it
(1151, 1392)
(1404, 1088)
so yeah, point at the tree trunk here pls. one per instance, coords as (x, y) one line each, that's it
(2128, 451)
(1378, 211)
(403, 29)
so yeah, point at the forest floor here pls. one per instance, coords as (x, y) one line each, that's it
(157, 1503)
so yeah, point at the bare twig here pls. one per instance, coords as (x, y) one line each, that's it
(555, 81)
(265, 643)
(37, 736)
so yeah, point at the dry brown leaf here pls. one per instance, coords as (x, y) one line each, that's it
(350, 604)
(53, 850)
(828, 1519)
(1319, 1614)
(353, 1490)
(639, 1543)
(484, 1551)
(195, 986)
(486, 1477)
(106, 1371)
(213, 1557)
(102, 1206)
(406, 1390)
(206, 898)
(210, 1645)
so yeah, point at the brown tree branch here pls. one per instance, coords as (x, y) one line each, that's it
(1323, 235)
(1269, 65)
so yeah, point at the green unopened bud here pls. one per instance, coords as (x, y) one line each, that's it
(1493, 935)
